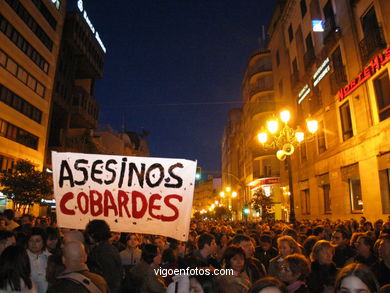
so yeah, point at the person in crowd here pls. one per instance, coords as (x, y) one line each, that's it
(169, 260)
(104, 258)
(364, 251)
(142, 277)
(308, 245)
(207, 247)
(7, 238)
(9, 219)
(268, 285)
(115, 240)
(323, 270)
(382, 269)
(15, 271)
(160, 242)
(343, 251)
(356, 277)
(77, 277)
(53, 243)
(38, 255)
(286, 246)
(3, 224)
(293, 271)
(132, 254)
(319, 231)
(239, 282)
(265, 251)
(378, 226)
(254, 268)
(204, 283)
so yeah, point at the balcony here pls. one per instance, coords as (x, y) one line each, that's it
(295, 80)
(84, 109)
(255, 108)
(258, 88)
(331, 33)
(259, 69)
(309, 59)
(372, 42)
(338, 79)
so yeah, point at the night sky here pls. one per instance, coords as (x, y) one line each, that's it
(174, 68)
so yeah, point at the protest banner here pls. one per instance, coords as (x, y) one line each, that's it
(132, 194)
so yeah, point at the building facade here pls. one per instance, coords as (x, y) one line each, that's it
(330, 61)
(30, 36)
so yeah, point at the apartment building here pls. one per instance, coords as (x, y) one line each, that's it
(30, 35)
(330, 62)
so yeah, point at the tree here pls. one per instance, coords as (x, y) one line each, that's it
(26, 185)
(262, 204)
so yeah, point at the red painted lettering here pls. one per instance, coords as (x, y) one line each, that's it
(172, 207)
(137, 214)
(153, 206)
(367, 73)
(96, 204)
(109, 203)
(376, 63)
(387, 56)
(123, 199)
(82, 209)
(65, 198)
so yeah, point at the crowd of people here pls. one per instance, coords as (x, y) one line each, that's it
(307, 256)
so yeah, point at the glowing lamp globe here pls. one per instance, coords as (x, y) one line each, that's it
(285, 116)
(262, 137)
(272, 126)
(312, 126)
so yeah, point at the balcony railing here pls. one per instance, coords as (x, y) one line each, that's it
(259, 88)
(373, 41)
(338, 79)
(309, 59)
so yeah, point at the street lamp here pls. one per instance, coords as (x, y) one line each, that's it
(229, 194)
(284, 140)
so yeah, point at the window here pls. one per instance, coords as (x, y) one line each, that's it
(46, 13)
(295, 66)
(20, 73)
(22, 44)
(309, 43)
(321, 142)
(384, 179)
(355, 193)
(326, 194)
(305, 200)
(290, 33)
(19, 135)
(382, 93)
(346, 121)
(6, 163)
(369, 22)
(277, 58)
(303, 8)
(281, 87)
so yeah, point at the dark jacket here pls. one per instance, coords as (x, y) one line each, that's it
(382, 273)
(265, 256)
(104, 259)
(321, 276)
(342, 254)
(206, 262)
(142, 279)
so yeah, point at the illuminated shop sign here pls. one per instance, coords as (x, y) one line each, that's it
(317, 25)
(94, 32)
(303, 93)
(366, 73)
(57, 3)
(321, 71)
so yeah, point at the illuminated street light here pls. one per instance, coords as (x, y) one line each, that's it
(234, 194)
(222, 194)
(285, 116)
(272, 126)
(228, 189)
(262, 137)
(312, 125)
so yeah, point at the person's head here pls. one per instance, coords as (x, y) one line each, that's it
(294, 267)
(115, 237)
(9, 215)
(319, 231)
(70, 236)
(265, 242)
(150, 254)
(98, 230)
(384, 249)
(368, 226)
(364, 245)
(73, 254)
(36, 241)
(207, 244)
(340, 238)
(52, 237)
(323, 252)
(132, 240)
(268, 285)
(309, 243)
(26, 219)
(159, 242)
(287, 245)
(234, 258)
(245, 243)
(7, 238)
(203, 283)
(169, 256)
(356, 277)
(14, 268)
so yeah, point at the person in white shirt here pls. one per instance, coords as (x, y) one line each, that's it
(132, 254)
(38, 256)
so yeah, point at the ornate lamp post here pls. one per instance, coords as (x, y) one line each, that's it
(229, 194)
(285, 140)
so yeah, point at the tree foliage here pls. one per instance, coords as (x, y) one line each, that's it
(26, 185)
(262, 204)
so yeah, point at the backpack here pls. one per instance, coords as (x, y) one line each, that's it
(82, 280)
